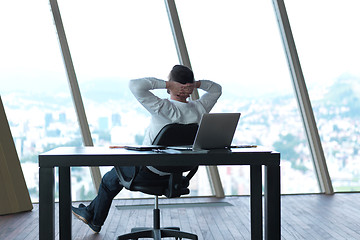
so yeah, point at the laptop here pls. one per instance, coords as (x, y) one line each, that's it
(216, 131)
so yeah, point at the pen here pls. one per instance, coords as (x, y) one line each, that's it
(116, 146)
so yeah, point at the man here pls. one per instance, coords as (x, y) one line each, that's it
(177, 109)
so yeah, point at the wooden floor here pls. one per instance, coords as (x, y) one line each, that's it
(303, 217)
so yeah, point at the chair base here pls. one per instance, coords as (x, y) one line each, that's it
(157, 234)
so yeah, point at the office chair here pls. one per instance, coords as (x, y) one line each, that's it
(174, 186)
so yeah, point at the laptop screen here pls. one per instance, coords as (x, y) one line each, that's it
(216, 130)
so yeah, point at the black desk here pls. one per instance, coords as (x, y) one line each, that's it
(66, 157)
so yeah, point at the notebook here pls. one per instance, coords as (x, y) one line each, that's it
(216, 131)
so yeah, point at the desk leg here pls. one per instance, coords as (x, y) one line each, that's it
(65, 203)
(256, 201)
(46, 203)
(272, 203)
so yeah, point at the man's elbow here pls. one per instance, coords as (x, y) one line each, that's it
(218, 90)
(136, 85)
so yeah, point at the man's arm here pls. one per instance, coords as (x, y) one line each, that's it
(213, 92)
(141, 87)
(155, 105)
(141, 90)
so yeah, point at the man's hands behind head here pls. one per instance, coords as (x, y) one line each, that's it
(180, 90)
(187, 89)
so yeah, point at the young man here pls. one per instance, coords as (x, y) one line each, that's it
(177, 109)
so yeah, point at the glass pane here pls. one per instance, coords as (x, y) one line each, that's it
(34, 86)
(237, 44)
(328, 46)
(112, 42)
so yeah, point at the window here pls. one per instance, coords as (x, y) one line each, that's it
(237, 43)
(112, 42)
(329, 51)
(34, 86)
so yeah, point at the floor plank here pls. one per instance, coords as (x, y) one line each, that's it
(314, 216)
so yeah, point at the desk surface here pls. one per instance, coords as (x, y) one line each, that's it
(104, 156)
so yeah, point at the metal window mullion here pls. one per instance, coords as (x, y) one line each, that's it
(179, 38)
(212, 171)
(303, 98)
(74, 86)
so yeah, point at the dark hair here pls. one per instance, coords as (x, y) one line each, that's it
(181, 74)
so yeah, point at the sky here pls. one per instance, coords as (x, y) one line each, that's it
(232, 42)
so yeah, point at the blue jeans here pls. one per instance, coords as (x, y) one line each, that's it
(109, 187)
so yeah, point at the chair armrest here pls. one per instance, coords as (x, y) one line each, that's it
(127, 181)
(192, 173)
(178, 184)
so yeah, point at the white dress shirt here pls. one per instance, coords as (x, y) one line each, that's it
(166, 111)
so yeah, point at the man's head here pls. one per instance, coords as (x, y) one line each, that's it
(181, 74)
(182, 79)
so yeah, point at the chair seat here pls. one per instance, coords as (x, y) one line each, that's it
(152, 190)
(161, 187)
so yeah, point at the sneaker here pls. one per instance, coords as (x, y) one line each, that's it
(82, 214)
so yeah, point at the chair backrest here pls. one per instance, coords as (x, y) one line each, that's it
(176, 134)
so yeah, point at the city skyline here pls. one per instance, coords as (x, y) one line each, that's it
(55, 124)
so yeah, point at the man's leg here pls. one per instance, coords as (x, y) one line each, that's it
(95, 214)
(110, 186)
